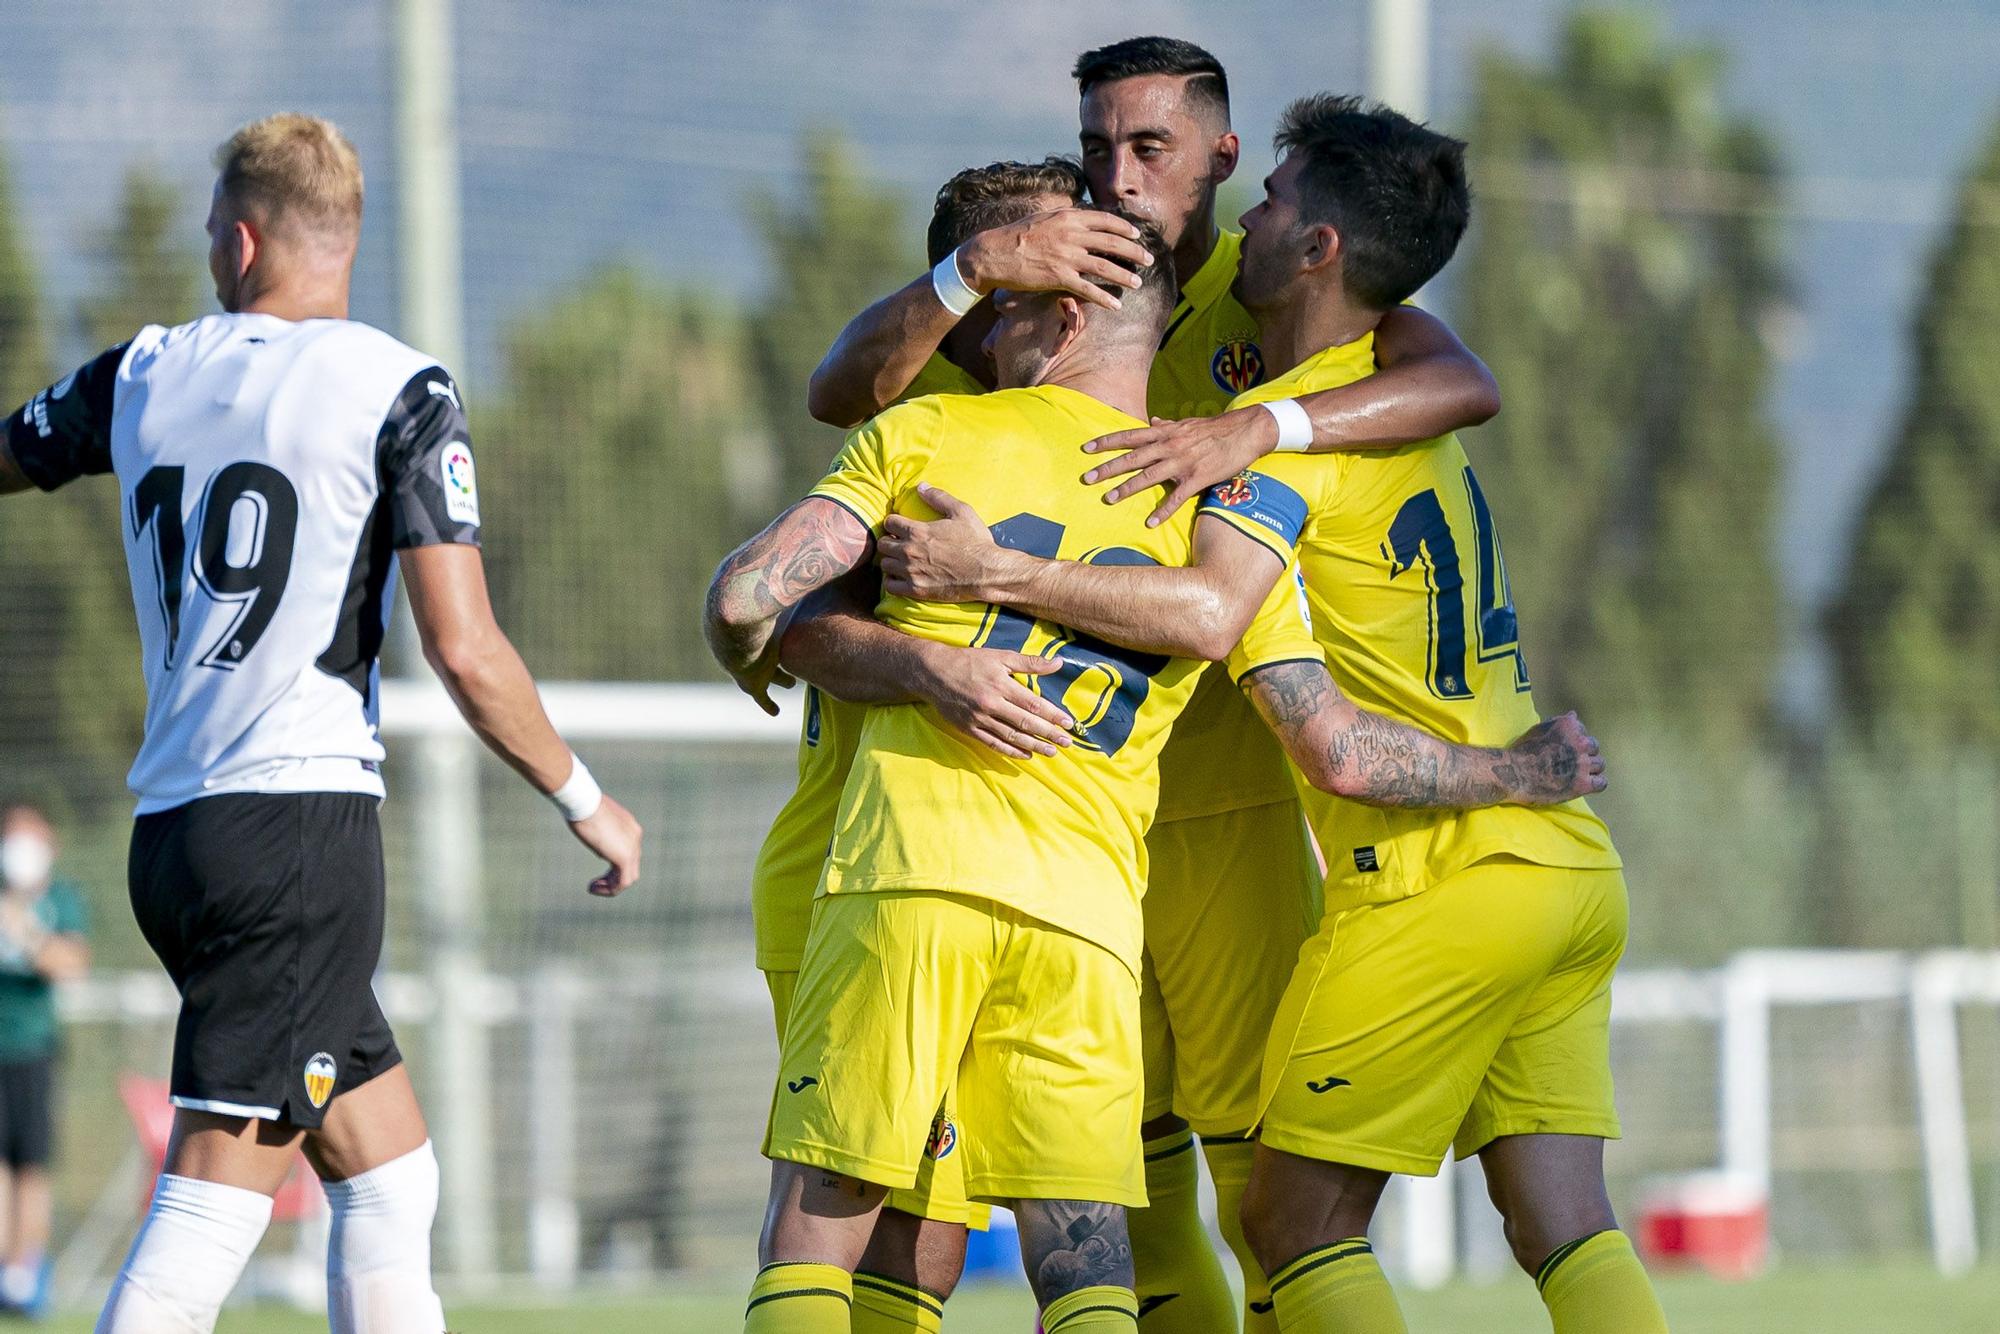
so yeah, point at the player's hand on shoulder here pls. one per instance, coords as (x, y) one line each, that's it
(1068, 250)
(1553, 762)
(952, 558)
(978, 691)
(1186, 457)
(613, 834)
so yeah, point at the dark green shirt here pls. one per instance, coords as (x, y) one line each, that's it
(27, 999)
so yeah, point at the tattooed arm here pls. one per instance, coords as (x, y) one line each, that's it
(1343, 749)
(807, 547)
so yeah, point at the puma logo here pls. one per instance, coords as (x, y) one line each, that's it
(1327, 1085)
(801, 1084)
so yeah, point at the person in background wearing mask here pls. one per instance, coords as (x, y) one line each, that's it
(41, 944)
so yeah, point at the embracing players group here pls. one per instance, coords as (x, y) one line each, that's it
(1055, 900)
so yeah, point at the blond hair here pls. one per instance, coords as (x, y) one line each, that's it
(299, 170)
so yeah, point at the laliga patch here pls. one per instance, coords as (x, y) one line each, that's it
(944, 1138)
(1237, 365)
(461, 484)
(320, 1074)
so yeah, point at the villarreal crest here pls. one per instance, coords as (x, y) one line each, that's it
(320, 1074)
(1237, 365)
(943, 1139)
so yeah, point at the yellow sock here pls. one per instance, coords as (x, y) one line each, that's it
(1181, 1286)
(799, 1299)
(1091, 1308)
(1337, 1289)
(1229, 1168)
(884, 1305)
(1596, 1285)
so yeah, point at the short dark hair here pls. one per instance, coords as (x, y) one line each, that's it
(1136, 56)
(1395, 191)
(995, 195)
(1159, 290)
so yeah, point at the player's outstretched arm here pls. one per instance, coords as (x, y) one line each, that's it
(881, 350)
(1346, 750)
(494, 692)
(757, 585)
(1187, 611)
(835, 642)
(64, 432)
(1428, 383)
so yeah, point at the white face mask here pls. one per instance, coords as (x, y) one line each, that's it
(25, 861)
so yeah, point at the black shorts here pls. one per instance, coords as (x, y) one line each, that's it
(267, 911)
(27, 1114)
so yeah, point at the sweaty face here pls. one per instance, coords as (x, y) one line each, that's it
(1148, 151)
(1273, 241)
(1027, 327)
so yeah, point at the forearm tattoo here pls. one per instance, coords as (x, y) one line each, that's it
(1367, 757)
(1073, 1244)
(810, 545)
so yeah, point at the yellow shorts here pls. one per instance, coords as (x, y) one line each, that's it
(1477, 1009)
(1230, 899)
(902, 992)
(939, 1191)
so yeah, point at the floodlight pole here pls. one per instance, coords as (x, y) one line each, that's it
(1399, 35)
(457, 1071)
(1399, 74)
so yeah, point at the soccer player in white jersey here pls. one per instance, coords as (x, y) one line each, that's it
(276, 463)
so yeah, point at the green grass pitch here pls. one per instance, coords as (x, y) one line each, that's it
(1796, 1300)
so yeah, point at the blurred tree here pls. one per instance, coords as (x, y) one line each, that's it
(149, 272)
(74, 706)
(612, 464)
(1916, 628)
(1623, 272)
(24, 348)
(846, 243)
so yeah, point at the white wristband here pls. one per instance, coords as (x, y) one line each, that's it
(1295, 428)
(579, 796)
(951, 287)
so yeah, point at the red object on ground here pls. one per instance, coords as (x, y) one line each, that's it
(1712, 1221)
(149, 1104)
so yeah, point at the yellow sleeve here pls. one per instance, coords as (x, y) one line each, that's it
(1281, 631)
(882, 460)
(940, 375)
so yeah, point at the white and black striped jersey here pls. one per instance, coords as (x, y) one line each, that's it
(270, 469)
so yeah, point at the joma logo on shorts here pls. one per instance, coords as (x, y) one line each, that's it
(802, 1083)
(1327, 1085)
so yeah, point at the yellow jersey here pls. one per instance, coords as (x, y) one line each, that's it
(789, 862)
(1059, 838)
(1409, 600)
(1221, 756)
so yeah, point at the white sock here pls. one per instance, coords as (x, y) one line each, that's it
(378, 1257)
(189, 1253)
(18, 1282)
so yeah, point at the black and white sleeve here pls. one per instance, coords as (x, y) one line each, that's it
(64, 432)
(424, 456)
